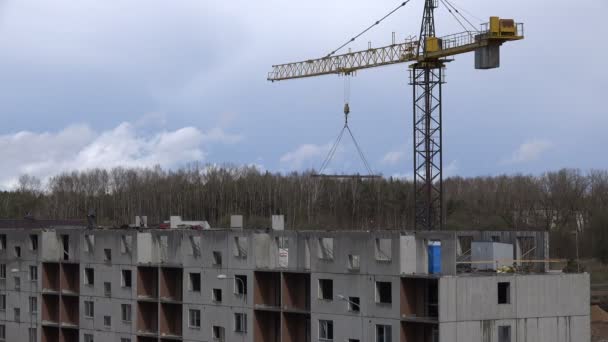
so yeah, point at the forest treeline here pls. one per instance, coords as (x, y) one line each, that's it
(564, 202)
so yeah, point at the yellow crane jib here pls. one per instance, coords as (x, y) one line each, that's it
(485, 43)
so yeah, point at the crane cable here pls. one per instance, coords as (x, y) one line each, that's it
(454, 15)
(367, 29)
(346, 127)
(449, 6)
(466, 11)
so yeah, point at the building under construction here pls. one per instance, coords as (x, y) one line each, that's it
(62, 281)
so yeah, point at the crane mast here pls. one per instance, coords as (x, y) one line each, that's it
(428, 55)
(426, 80)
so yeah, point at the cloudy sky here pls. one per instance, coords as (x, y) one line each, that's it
(87, 84)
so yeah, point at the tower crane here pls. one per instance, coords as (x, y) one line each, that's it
(428, 56)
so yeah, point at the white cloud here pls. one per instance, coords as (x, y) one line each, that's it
(217, 135)
(393, 157)
(529, 151)
(78, 147)
(303, 156)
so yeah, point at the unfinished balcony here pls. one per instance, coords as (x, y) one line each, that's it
(266, 326)
(68, 335)
(419, 332)
(295, 327)
(419, 300)
(295, 292)
(419, 310)
(49, 334)
(50, 277)
(50, 309)
(69, 311)
(147, 318)
(171, 284)
(170, 320)
(267, 290)
(70, 279)
(146, 339)
(147, 282)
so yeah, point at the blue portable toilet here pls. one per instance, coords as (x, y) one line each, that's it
(434, 251)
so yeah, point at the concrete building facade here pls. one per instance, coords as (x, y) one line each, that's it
(70, 283)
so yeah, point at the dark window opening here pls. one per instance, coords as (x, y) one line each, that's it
(34, 242)
(383, 292)
(18, 251)
(240, 284)
(217, 258)
(89, 276)
(65, 239)
(126, 278)
(326, 289)
(504, 293)
(195, 282)
(217, 295)
(107, 254)
(504, 334)
(354, 304)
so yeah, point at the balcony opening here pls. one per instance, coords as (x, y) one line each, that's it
(69, 335)
(70, 278)
(296, 291)
(266, 326)
(50, 308)
(69, 310)
(50, 276)
(295, 327)
(49, 334)
(147, 282)
(419, 299)
(171, 283)
(147, 317)
(170, 319)
(419, 332)
(267, 289)
(146, 339)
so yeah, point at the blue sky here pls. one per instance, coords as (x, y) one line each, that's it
(136, 83)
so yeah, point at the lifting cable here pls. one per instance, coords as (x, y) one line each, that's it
(451, 8)
(367, 29)
(345, 128)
